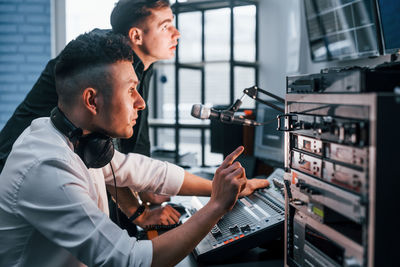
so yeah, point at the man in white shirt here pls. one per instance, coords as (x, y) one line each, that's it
(53, 203)
(153, 37)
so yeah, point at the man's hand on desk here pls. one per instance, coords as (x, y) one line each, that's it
(129, 204)
(252, 185)
(158, 216)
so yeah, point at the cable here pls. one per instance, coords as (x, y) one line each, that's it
(268, 122)
(116, 196)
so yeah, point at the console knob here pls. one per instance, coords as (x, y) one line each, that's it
(245, 228)
(216, 232)
(234, 229)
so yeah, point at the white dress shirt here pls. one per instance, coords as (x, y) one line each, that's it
(54, 211)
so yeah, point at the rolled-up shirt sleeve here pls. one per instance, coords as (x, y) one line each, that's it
(142, 173)
(61, 204)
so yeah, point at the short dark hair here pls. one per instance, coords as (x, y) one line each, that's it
(130, 13)
(84, 63)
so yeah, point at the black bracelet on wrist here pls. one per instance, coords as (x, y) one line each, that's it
(137, 213)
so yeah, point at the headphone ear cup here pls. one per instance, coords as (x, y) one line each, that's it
(96, 150)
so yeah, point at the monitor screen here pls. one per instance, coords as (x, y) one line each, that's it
(269, 142)
(389, 14)
(341, 29)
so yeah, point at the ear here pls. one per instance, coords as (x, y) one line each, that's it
(136, 36)
(90, 99)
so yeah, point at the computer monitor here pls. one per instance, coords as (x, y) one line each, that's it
(388, 11)
(341, 29)
(268, 141)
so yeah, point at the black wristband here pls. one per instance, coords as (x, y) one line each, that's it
(137, 213)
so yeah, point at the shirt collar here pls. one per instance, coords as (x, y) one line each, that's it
(139, 67)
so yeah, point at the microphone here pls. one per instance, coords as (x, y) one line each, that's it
(201, 112)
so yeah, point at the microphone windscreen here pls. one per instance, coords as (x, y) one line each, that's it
(201, 112)
(196, 110)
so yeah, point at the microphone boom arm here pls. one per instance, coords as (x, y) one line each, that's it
(253, 93)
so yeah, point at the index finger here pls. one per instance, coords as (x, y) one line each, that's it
(231, 157)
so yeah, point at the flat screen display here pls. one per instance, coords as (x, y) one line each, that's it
(341, 29)
(389, 14)
(269, 142)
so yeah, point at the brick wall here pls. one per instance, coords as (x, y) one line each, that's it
(24, 50)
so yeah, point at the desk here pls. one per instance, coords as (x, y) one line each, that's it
(252, 258)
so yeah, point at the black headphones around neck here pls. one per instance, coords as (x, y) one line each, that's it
(95, 149)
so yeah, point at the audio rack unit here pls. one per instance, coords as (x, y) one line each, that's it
(341, 179)
(345, 80)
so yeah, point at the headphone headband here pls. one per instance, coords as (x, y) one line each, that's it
(64, 125)
(96, 150)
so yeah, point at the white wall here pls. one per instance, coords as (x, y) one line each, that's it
(275, 30)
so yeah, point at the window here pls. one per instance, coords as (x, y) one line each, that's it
(215, 64)
(84, 16)
(216, 59)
